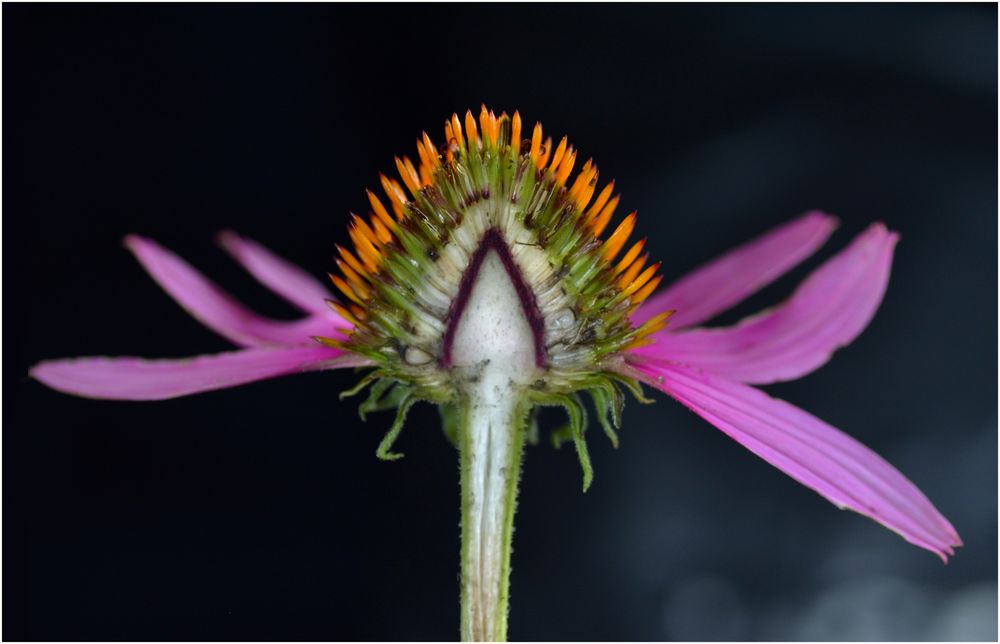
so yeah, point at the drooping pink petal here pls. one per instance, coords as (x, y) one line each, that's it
(735, 276)
(141, 379)
(218, 310)
(812, 452)
(286, 279)
(827, 311)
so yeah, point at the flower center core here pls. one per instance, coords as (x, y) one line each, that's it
(493, 254)
(494, 316)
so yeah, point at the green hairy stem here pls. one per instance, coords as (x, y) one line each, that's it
(491, 437)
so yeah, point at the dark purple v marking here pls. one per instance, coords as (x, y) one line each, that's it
(494, 241)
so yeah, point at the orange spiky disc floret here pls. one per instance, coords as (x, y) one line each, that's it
(402, 279)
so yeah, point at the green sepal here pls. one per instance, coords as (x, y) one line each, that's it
(635, 388)
(561, 435)
(604, 406)
(364, 382)
(383, 452)
(577, 424)
(378, 400)
(450, 421)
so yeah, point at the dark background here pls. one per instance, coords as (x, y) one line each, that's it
(262, 513)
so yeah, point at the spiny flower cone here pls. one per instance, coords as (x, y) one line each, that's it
(408, 279)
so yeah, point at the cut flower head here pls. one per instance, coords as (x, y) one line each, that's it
(492, 272)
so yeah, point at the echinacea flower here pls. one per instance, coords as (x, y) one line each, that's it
(488, 287)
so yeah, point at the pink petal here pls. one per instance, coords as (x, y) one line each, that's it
(140, 379)
(735, 276)
(828, 310)
(830, 462)
(218, 310)
(281, 276)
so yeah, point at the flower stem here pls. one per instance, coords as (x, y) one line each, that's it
(491, 443)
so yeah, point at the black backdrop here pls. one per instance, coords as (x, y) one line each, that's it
(261, 512)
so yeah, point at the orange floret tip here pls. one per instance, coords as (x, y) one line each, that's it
(640, 296)
(330, 342)
(602, 199)
(488, 124)
(397, 198)
(383, 234)
(470, 130)
(645, 333)
(515, 133)
(380, 210)
(558, 155)
(630, 256)
(545, 152)
(633, 271)
(456, 131)
(566, 167)
(536, 145)
(642, 279)
(368, 254)
(345, 288)
(343, 312)
(353, 278)
(583, 179)
(583, 197)
(409, 175)
(614, 243)
(658, 322)
(604, 218)
(363, 228)
(422, 153)
(432, 157)
(352, 261)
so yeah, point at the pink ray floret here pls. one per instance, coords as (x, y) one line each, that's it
(812, 452)
(271, 347)
(735, 276)
(218, 310)
(142, 379)
(289, 281)
(829, 309)
(705, 369)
